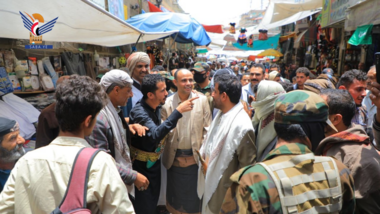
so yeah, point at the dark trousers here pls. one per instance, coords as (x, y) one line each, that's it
(145, 202)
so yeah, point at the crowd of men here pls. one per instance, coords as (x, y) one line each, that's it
(203, 140)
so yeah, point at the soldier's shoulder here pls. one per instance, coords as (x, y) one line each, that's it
(250, 173)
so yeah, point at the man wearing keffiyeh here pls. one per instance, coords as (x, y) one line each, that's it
(10, 148)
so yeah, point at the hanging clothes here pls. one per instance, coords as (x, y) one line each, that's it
(74, 63)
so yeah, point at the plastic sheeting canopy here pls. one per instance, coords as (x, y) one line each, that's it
(190, 30)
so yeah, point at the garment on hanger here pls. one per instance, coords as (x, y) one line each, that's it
(74, 63)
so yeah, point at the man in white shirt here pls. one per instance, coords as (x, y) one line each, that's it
(39, 179)
(229, 145)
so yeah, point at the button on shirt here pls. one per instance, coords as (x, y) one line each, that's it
(39, 180)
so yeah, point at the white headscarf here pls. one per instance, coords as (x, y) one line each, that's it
(272, 75)
(135, 58)
(267, 93)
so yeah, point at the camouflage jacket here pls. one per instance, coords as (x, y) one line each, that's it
(207, 92)
(253, 189)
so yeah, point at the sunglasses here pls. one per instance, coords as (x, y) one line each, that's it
(141, 66)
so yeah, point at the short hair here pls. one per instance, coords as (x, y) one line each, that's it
(149, 84)
(349, 76)
(258, 65)
(231, 85)
(275, 66)
(76, 98)
(173, 54)
(244, 74)
(158, 68)
(288, 87)
(176, 72)
(303, 70)
(340, 102)
(289, 132)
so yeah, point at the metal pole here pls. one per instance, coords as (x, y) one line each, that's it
(137, 41)
(170, 50)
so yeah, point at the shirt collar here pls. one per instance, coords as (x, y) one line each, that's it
(288, 149)
(179, 100)
(145, 105)
(70, 141)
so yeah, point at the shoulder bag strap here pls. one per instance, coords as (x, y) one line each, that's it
(76, 192)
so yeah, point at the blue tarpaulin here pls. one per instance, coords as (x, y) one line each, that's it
(270, 43)
(190, 31)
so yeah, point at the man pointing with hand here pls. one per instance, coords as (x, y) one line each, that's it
(180, 158)
(146, 150)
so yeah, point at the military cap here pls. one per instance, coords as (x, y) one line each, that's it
(200, 67)
(301, 107)
(166, 75)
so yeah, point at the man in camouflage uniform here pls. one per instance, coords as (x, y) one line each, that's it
(307, 182)
(203, 84)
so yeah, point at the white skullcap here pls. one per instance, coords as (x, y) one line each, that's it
(115, 76)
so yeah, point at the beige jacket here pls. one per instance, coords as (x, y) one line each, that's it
(39, 180)
(198, 125)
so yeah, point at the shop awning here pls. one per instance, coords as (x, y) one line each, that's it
(190, 31)
(362, 36)
(282, 9)
(363, 13)
(271, 52)
(79, 21)
(283, 12)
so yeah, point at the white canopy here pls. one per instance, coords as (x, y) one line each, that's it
(79, 21)
(283, 12)
(282, 9)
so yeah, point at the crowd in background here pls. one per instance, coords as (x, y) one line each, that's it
(203, 137)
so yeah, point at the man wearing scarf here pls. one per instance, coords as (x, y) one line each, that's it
(138, 66)
(351, 146)
(10, 148)
(291, 179)
(112, 132)
(263, 120)
(229, 145)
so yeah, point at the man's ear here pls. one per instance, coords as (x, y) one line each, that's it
(342, 87)
(150, 95)
(336, 119)
(175, 82)
(87, 121)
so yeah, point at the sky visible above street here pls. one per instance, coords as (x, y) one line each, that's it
(213, 12)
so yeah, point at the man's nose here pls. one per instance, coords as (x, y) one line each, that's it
(20, 140)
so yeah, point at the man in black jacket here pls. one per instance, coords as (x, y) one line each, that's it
(146, 150)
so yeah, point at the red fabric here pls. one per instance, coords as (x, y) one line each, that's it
(153, 8)
(213, 28)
